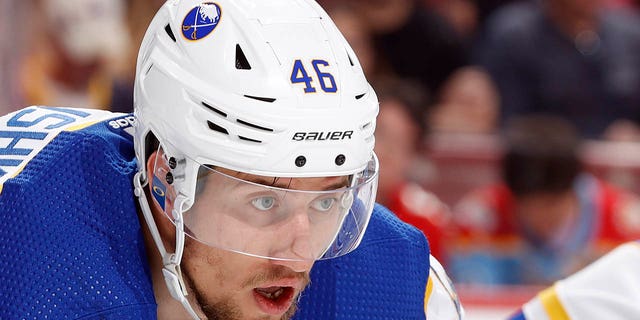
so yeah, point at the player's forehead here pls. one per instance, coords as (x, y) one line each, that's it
(310, 184)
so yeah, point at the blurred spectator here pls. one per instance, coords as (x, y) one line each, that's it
(399, 133)
(468, 17)
(358, 35)
(547, 218)
(487, 7)
(468, 103)
(623, 130)
(4, 55)
(412, 42)
(12, 16)
(80, 51)
(462, 15)
(139, 15)
(573, 58)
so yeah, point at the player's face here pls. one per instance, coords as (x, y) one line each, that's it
(233, 286)
(230, 285)
(281, 218)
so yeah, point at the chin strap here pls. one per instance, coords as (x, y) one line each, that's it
(171, 261)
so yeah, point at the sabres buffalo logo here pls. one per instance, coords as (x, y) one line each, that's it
(201, 21)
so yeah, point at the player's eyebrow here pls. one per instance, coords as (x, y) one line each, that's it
(338, 185)
(286, 184)
(271, 182)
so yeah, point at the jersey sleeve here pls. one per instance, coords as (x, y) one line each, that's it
(606, 289)
(440, 299)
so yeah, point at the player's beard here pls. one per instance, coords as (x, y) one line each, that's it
(225, 309)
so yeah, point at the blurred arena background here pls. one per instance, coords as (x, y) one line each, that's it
(451, 75)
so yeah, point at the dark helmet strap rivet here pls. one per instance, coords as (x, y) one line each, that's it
(169, 178)
(300, 161)
(173, 163)
(340, 159)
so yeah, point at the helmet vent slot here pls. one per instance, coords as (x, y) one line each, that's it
(241, 60)
(167, 29)
(217, 128)
(148, 69)
(270, 100)
(364, 127)
(214, 109)
(254, 126)
(249, 139)
(358, 97)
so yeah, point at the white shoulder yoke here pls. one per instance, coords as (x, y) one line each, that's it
(24, 133)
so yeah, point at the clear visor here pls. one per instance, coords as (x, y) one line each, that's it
(273, 218)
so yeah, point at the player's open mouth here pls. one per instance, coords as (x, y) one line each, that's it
(274, 300)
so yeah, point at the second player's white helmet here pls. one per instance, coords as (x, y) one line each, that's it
(241, 88)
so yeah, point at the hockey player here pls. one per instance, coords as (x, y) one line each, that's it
(252, 162)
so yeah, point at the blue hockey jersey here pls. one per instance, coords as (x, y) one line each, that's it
(72, 246)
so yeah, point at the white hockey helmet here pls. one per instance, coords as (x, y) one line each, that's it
(260, 88)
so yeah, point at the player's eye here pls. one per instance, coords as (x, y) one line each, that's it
(323, 204)
(263, 203)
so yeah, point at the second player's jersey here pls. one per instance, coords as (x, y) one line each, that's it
(606, 289)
